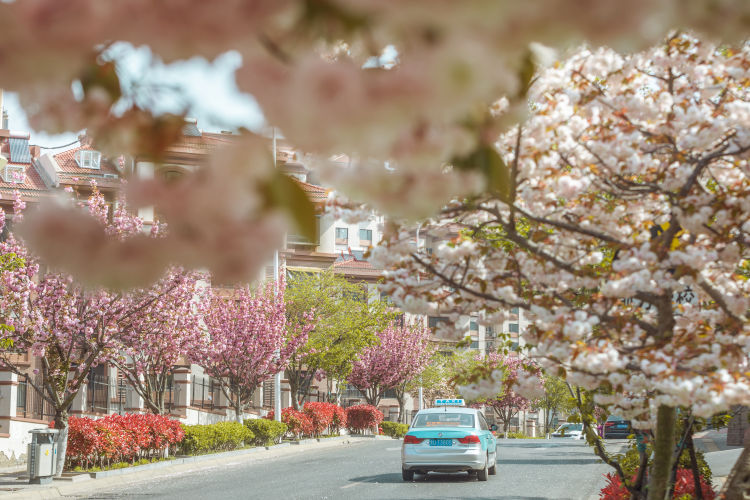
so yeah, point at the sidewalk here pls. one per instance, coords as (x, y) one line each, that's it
(11, 487)
(720, 457)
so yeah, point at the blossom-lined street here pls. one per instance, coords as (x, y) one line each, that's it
(527, 468)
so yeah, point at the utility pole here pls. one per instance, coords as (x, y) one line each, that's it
(277, 376)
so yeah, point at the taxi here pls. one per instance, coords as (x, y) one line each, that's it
(449, 438)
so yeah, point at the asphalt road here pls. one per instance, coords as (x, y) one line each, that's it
(527, 469)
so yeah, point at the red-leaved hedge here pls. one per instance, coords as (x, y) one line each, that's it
(320, 414)
(297, 423)
(339, 419)
(119, 438)
(315, 419)
(684, 485)
(362, 417)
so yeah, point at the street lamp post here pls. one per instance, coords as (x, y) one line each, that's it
(421, 395)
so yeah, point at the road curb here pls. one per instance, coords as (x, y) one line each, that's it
(67, 488)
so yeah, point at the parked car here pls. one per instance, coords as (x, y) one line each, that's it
(616, 427)
(567, 430)
(449, 439)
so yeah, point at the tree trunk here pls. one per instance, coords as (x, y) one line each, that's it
(658, 483)
(401, 405)
(61, 423)
(291, 376)
(694, 467)
(737, 485)
(372, 396)
(238, 407)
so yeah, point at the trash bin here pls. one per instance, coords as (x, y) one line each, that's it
(42, 455)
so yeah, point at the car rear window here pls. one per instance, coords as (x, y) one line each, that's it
(446, 419)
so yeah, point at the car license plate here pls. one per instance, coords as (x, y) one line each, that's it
(621, 426)
(441, 442)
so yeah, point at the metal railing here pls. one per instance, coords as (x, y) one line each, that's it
(392, 415)
(204, 393)
(31, 403)
(268, 394)
(101, 390)
(352, 392)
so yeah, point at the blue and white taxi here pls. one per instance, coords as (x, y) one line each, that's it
(449, 438)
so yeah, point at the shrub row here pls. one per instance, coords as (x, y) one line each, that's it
(362, 417)
(684, 487)
(316, 419)
(221, 436)
(267, 432)
(119, 438)
(394, 429)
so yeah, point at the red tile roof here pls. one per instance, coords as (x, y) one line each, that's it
(32, 181)
(351, 266)
(315, 193)
(203, 144)
(68, 165)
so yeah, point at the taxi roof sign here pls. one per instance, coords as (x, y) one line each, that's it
(449, 402)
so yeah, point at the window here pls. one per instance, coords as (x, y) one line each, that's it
(433, 321)
(483, 423)
(15, 174)
(444, 419)
(489, 331)
(298, 239)
(513, 327)
(473, 326)
(514, 310)
(475, 345)
(342, 236)
(365, 237)
(88, 159)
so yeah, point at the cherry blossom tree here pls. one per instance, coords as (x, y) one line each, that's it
(623, 232)
(163, 335)
(249, 341)
(69, 327)
(507, 402)
(402, 352)
(403, 84)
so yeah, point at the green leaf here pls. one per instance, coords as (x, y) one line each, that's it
(487, 160)
(103, 76)
(283, 192)
(526, 73)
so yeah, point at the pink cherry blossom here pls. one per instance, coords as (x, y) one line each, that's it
(248, 339)
(401, 354)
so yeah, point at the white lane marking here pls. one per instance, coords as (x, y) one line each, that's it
(393, 449)
(350, 485)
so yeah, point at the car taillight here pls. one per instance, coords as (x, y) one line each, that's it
(471, 438)
(608, 424)
(409, 439)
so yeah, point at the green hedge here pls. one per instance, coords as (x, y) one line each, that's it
(267, 432)
(221, 436)
(631, 460)
(394, 429)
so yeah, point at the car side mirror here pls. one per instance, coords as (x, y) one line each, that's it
(493, 427)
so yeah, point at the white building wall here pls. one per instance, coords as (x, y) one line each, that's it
(13, 449)
(327, 234)
(145, 170)
(373, 224)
